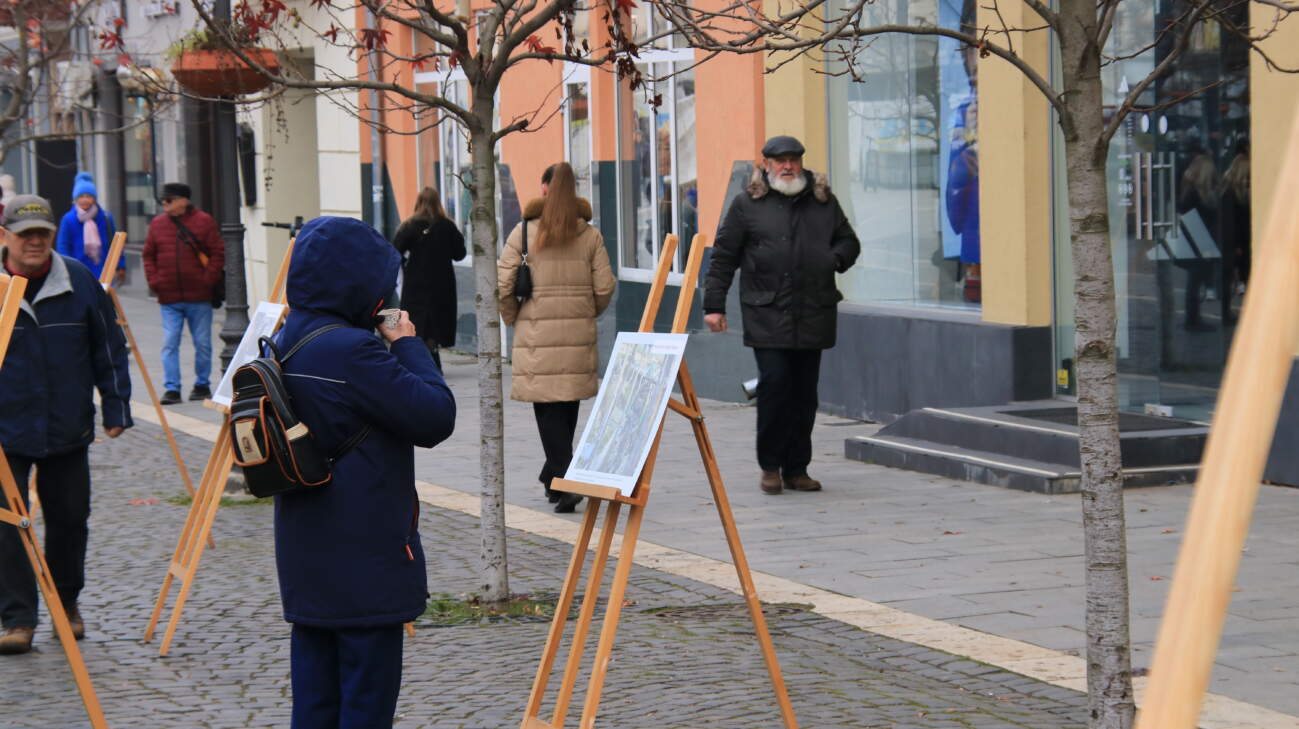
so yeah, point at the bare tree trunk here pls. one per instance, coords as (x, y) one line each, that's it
(494, 584)
(1109, 667)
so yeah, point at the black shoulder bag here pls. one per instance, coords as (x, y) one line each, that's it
(275, 449)
(219, 290)
(523, 280)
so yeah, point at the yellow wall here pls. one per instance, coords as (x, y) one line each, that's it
(794, 96)
(1015, 192)
(1273, 96)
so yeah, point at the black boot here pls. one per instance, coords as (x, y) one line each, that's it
(567, 503)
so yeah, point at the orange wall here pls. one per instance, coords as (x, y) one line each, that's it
(729, 124)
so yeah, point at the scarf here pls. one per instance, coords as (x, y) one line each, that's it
(91, 243)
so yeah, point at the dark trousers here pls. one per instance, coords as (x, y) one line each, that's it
(63, 484)
(345, 678)
(557, 424)
(787, 403)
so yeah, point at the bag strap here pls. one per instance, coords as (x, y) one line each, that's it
(525, 241)
(310, 336)
(358, 436)
(349, 444)
(188, 238)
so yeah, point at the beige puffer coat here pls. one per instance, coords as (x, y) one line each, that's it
(555, 357)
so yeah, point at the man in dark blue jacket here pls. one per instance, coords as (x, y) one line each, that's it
(65, 343)
(349, 558)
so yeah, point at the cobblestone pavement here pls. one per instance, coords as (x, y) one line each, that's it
(1003, 562)
(229, 663)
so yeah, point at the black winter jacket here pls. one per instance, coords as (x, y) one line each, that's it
(789, 249)
(428, 291)
(65, 343)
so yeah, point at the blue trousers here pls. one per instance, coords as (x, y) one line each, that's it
(174, 317)
(345, 678)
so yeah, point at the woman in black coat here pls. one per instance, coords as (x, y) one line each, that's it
(430, 241)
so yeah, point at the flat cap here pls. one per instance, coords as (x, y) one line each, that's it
(782, 145)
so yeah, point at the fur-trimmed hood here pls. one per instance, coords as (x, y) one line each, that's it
(532, 211)
(817, 182)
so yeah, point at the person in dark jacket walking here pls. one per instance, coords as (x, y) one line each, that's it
(87, 229)
(348, 554)
(184, 260)
(429, 282)
(789, 237)
(66, 342)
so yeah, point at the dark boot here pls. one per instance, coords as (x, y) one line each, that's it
(770, 482)
(17, 639)
(567, 503)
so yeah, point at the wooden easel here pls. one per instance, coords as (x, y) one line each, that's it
(106, 280)
(1249, 403)
(203, 509)
(16, 514)
(612, 500)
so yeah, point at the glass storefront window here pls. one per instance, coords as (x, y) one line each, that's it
(139, 149)
(904, 159)
(1177, 175)
(443, 150)
(657, 177)
(577, 132)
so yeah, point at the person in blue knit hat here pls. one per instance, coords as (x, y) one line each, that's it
(87, 229)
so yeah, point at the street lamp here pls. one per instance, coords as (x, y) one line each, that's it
(224, 132)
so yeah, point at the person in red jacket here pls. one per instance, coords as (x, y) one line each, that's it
(184, 260)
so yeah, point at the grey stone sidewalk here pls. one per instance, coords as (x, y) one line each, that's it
(229, 665)
(999, 561)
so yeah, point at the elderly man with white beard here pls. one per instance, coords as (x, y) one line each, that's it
(789, 237)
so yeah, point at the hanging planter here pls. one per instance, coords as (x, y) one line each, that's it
(222, 73)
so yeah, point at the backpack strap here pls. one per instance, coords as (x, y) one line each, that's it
(356, 439)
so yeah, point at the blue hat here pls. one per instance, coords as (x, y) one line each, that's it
(84, 185)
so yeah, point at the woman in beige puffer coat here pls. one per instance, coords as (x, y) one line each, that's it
(555, 358)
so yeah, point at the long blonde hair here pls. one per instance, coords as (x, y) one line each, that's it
(560, 214)
(1236, 179)
(428, 205)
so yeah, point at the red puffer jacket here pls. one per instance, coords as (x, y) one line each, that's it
(171, 266)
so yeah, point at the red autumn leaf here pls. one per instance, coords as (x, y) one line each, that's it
(374, 38)
(119, 22)
(950, 532)
(123, 59)
(627, 5)
(109, 41)
(97, 61)
(418, 64)
(332, 33)
(455, 59)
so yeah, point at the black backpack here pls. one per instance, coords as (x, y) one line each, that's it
(274, 448)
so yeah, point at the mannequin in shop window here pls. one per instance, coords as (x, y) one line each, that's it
(963, 184)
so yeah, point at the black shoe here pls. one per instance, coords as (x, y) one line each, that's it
(553, 496)
(567, 503)
(170, 397)
(200, 392)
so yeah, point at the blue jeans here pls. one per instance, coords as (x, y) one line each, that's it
(174, 316)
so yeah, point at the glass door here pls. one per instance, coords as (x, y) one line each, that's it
(1178, 213)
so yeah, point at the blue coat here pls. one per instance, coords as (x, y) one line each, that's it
(348, 553)
(71, 240)
(65, 343)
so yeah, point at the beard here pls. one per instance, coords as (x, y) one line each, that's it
(788, 187)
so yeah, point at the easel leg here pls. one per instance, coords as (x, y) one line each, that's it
(153, 394)
(204, 530)
(562, 607)
(612, 612)
(187, 545)
(52, 602)
(723, 503)
(578, 646)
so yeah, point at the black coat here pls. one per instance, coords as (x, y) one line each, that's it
(429, 289)
(789, 249)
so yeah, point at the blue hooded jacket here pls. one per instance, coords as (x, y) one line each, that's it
(349, 553)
